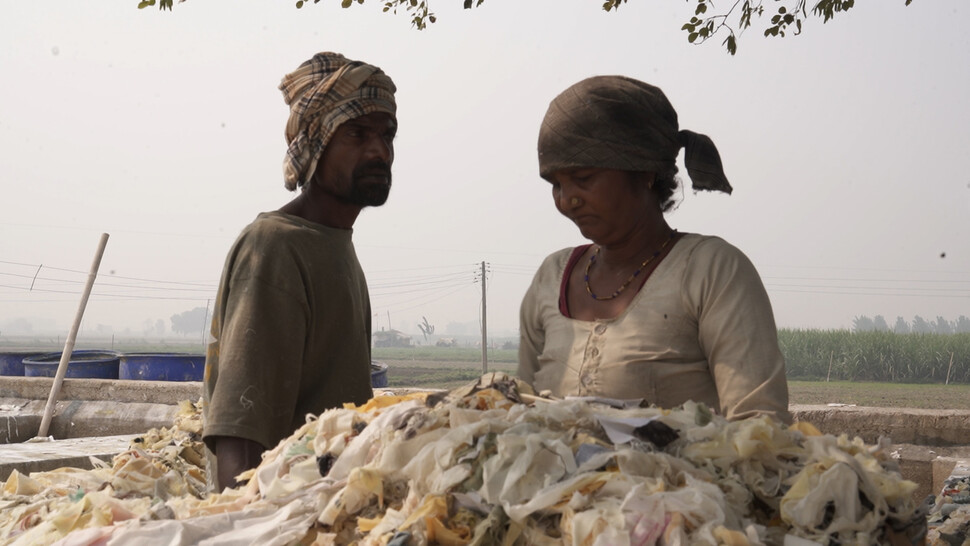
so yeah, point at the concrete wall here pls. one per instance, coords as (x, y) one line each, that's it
(89, 407)
(902, 425)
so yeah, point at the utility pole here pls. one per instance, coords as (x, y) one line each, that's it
(205, 322)
(484, 326)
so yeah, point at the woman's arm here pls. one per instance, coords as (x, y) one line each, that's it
(737, 332)
(531, 336)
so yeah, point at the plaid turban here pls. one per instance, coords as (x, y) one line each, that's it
(322, 93)
(615, 122)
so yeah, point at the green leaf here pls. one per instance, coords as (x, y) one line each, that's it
(691, 37)
(346, 3)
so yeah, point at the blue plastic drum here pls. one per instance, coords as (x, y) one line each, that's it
(378, 374)
(12, 362)
(162, 366)
(88, 364)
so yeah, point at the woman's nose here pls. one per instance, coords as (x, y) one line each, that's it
(568, 200)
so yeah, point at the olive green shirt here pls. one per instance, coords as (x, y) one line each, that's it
(701, 328)
(291, 330)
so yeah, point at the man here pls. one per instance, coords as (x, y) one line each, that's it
(292, 322)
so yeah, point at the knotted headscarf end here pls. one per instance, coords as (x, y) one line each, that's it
(616, 122)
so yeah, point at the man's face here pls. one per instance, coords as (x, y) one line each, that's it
(356, 164)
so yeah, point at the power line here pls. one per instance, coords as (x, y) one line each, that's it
(843, 279)
(872, 294)
(117, 285)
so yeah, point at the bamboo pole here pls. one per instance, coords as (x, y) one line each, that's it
(831, 354)
(71, 337)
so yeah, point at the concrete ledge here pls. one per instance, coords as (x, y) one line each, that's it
(945, 468)
(44, 456)
(117, 390)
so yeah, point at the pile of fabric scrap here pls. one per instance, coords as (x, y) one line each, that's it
(491, 463)
(949, 518)
(161, 465)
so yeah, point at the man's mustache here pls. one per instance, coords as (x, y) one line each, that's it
(373, 168)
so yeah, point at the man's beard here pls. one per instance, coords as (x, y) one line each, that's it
(369, 193)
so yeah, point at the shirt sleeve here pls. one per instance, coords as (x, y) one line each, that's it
(253, 392)
(531, 334)
(737, 332)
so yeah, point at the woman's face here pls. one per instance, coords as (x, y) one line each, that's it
(605, 204)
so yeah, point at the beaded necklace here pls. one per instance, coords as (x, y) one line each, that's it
(628, 281)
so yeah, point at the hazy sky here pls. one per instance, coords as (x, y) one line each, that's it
(846, 146)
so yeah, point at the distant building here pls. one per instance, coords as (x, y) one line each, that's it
(391, 338)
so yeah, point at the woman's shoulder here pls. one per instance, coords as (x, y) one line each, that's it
(553, 265)
(698, 246)
(705, 254)
(560, 257)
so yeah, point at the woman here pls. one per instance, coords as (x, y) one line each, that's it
(644, 312)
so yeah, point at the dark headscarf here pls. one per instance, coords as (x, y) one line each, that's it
(615, 122)
(324, 92)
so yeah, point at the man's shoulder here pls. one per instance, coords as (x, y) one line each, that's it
(269, 235)
(278, 228)
(271, 222)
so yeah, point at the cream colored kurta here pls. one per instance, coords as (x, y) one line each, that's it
(701, 329)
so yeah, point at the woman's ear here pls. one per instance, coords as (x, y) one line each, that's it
(643, 179)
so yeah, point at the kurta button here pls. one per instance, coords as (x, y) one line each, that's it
(586, 379)
(594, 352)
(600, 328)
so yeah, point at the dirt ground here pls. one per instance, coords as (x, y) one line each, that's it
(446, 375)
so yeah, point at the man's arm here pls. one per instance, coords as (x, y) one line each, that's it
(233, 457)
